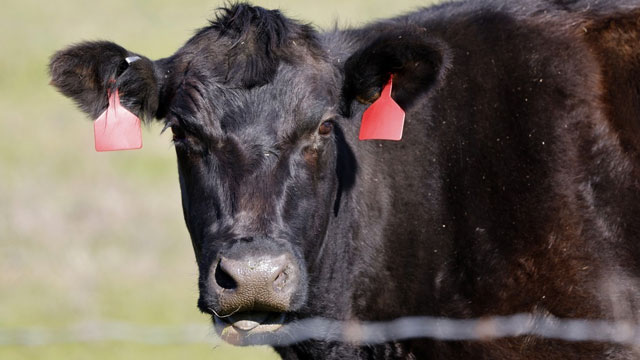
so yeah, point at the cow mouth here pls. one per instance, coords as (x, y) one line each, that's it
(238, 329)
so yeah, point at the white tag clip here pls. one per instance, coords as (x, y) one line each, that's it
(132, 59)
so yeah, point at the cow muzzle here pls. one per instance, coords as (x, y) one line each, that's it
(253, 293)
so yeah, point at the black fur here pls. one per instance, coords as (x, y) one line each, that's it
(514, 188)
(266, 34)
(87, 72)
(406, 53)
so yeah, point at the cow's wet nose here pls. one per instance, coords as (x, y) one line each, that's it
(255, 283)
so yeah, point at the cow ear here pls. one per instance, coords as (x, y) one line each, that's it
(89, 71)
(413, 60)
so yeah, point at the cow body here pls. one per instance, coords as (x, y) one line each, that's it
(514, 188)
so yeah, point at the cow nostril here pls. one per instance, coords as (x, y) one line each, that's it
(281, 280)
(223, 279)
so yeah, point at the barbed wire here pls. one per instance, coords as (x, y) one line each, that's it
(361, 333)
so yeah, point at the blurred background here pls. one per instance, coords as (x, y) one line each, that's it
(95, 260)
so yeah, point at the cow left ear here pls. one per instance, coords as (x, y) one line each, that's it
(414, 61)
(88, 72)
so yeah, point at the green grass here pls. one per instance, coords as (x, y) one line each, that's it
(125, 350)
(100, 237)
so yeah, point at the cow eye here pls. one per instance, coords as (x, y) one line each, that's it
(178, 133)
(325, 128)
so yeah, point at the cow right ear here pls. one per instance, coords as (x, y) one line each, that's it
(89, 71)
(407, 54)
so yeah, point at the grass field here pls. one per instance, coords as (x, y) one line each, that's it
(99, 237)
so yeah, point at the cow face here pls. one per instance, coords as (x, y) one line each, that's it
(256, 157)
(253, 104)
(257, 174)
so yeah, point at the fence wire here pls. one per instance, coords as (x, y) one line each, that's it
(362, 333)
(96, 332)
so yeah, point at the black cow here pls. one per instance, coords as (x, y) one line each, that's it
(515, 187)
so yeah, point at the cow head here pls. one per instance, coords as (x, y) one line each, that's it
(254, 105)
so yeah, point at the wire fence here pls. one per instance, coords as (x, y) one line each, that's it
(95, 332)
(362, 333)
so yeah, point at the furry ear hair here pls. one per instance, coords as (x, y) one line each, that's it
(413, 60)
(87, 72)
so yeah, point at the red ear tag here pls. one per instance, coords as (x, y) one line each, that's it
(384, 119)
(117, 128)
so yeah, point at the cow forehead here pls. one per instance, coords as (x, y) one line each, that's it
(295, 98)
(298, 98)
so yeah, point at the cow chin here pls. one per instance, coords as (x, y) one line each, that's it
(249, 328)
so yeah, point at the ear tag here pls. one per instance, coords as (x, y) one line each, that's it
(117, 128)
(384, 119)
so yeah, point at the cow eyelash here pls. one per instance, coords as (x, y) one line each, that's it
(178, 133)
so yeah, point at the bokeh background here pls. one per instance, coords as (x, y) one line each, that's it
(95, 261)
